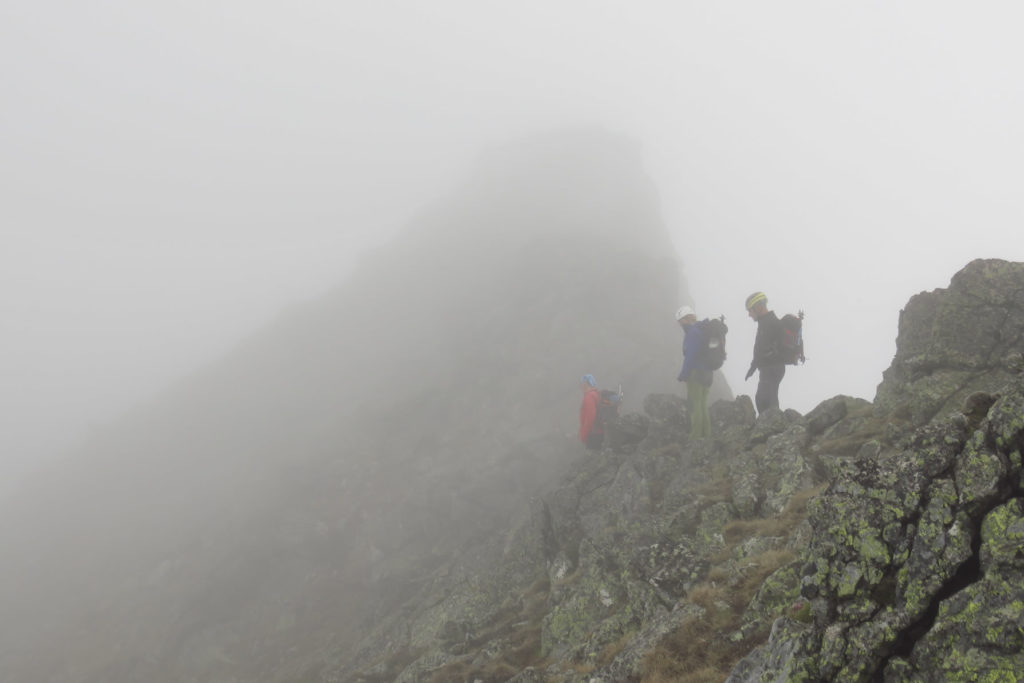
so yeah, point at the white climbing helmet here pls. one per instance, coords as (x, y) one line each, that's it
(684, 311)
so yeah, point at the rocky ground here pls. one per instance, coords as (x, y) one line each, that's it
(862, 541)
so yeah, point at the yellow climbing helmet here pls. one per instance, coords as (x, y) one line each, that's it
(755, 298)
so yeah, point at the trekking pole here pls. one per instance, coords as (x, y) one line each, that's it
(800, 315)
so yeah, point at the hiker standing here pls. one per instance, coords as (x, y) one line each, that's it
(591, 429)
(768, 354)
(696, 371)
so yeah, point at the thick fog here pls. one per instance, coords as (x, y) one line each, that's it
(176, 175)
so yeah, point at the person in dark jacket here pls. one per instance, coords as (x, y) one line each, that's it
(591, 429)
(767, 352)
(697, 375)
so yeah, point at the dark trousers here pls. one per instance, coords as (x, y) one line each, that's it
(768, 379)
(594, 441)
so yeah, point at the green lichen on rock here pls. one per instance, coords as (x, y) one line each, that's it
(979, 631)
(941, 544)
(980, 474)
(778, 592)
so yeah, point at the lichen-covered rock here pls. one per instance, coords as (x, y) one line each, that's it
(777, 593)
(672, 566)
(748, 489)
(728, 415)
(786, 469)
(788, 656)
(977, 634)
(709, 537)
(771, 422)
(915, 570)
(600, 604)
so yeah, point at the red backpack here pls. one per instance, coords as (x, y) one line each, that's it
(791, 345)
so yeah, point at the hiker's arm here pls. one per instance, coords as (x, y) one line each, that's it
(684, 374)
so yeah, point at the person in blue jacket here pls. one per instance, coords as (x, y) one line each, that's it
(697, 375)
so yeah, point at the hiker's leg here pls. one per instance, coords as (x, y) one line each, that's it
(768, 381)
(700, 424)
(705, 415)
(693, 392)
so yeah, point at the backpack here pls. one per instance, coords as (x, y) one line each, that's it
(608, 405)
(713, 353)
(791, 343)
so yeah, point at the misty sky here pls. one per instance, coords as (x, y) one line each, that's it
(174, 175)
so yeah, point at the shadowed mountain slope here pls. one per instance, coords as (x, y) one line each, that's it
(275, 505)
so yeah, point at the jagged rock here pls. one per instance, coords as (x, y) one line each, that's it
(784, 658)
(831, 411)
(709, 535)
(670, 424)
(772, 422)
(747, 488)
(672, 566)
(601, 603)
(977, 632)
(730, 415)
(624, 433)
(957, 341)
(786, 470)
(665, 407)
(780, 590)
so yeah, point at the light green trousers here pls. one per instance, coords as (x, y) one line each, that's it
(700, 420)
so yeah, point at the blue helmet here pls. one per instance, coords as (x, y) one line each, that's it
(589, 380)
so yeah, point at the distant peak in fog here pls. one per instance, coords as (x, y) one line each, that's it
(586, 183)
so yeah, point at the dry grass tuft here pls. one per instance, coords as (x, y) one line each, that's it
(519, 623)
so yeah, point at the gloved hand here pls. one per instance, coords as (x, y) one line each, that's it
(750, 372)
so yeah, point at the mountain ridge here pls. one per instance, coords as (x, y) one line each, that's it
(360, 435)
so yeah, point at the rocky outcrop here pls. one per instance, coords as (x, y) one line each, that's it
(915, 569)
(956, 341)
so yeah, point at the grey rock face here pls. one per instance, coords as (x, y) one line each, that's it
(956, 341)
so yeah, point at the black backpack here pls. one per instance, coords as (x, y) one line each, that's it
(791, 344)
(713, 353)
(608, 406)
